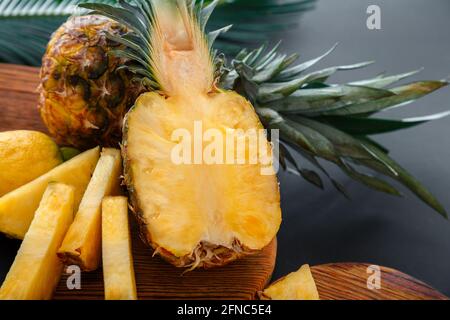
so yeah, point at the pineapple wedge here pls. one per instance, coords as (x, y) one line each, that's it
(118, 270)
(17, 208)
(81, 245)
(297, 285)
(36, 270)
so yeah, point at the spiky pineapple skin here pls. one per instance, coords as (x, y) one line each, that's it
(83, 97)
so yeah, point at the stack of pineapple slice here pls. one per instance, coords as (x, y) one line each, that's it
(41, 213)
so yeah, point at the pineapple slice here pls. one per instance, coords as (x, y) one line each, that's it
(36, 270)
(118, 270)
(17, 208)
(297, 285)
(82, 243)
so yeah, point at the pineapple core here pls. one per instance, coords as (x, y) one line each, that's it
(36, 270)
(194, 214)
(82, 244)
(297, 285)
(182, 62)
(118, 270)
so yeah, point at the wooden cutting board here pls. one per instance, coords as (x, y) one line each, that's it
(157, 279)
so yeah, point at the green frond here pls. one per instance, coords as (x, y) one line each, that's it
(33, 21)
(250, 18)
(34, 8)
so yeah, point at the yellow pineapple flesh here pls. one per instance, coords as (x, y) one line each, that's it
(82, 244)
(36, 269)
(118, 270)
(297, 285)
(194, 215)
(17, 208)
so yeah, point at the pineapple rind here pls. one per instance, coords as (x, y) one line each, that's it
(17, 208)
(36, 269)
(82, 244)
(118, 270)
(297, 285)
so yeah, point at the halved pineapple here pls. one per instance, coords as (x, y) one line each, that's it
(198, 214)
(36, 269)
(118, 270)
(297, 285)
(17, 208)
(81, 245)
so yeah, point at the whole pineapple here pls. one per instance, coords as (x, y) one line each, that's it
(83, 94)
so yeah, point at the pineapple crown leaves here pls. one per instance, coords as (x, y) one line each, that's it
(330, 121)
(316, 119)
(139, 18)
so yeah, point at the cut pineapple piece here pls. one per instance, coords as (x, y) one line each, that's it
(297, 285)
(36, 270)
(118, 270)
(17, 208)
(81, 245)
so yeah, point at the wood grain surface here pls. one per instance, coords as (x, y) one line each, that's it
(157, 279)
(348, 281)
(242, 279)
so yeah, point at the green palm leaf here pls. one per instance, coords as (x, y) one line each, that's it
(33, 21)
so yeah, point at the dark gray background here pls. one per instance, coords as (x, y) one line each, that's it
(403, 233)
(321, 226)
